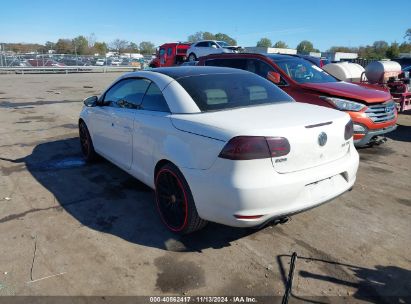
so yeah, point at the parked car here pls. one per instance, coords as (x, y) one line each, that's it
(115, 62)
(45, 63)
(372, 110)
(170, 54)
(100, 62)
(220, 145)
(207, 47)
(125, 62)
(72, 62)
(18, 63)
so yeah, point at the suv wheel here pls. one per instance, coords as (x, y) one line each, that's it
(192, 57)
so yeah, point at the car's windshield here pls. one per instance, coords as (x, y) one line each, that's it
(303, 71)
(223, 43)
(226, 91)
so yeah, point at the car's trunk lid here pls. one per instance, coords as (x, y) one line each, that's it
(300, 123)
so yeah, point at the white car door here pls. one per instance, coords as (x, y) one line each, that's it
(202, 49)
(151, 125)
(114, 124)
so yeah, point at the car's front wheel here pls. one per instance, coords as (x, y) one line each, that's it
(175, 202)
(86, 143)
(192, 57)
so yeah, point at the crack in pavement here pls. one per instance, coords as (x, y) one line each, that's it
(22, 214)
(34, 257)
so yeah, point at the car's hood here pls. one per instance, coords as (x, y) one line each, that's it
(349, 91)
(255, 121)
(232, 48)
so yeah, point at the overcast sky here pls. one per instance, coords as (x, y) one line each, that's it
(325, 23)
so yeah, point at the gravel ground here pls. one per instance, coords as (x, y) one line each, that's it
(67, 228)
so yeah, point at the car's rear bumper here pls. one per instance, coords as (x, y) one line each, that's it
(231, 191)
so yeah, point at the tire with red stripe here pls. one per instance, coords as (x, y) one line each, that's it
(175, 202)
(86, 143)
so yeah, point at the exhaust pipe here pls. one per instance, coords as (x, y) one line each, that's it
(282, 220)
(274, 222)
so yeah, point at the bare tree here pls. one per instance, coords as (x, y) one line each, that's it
(91, 40)
(119, 45)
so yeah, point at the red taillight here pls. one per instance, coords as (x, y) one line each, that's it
(255, 147)
(279, 146)
(349, 130)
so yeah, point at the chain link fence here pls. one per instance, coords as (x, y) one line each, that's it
(31, 62)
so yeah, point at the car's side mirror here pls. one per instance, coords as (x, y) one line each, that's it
(274, 77)
(91, 101)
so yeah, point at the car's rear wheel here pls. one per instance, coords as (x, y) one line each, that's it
(86, 143)
(192, 57)
(175, 202)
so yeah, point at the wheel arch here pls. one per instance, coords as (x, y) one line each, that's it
(161, 163)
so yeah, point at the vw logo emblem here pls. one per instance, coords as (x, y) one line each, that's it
(322, 139)
(387, 109)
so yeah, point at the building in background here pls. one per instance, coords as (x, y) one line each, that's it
(264, 50)
(339, 56)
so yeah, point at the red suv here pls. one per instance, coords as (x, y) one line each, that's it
(372, 110)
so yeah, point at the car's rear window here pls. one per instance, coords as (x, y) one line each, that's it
(214, 92)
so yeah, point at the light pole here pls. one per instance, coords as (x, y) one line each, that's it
(1, 54)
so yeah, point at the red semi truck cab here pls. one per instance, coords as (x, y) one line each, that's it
(170, 54)
(372, 110)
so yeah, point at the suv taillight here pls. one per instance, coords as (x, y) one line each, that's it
(349, 130)
(255, 147)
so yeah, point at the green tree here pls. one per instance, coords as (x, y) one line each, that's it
(380, 48)
(64, 46)
(344, 49)
(264, 42)
(100, 48)
(147, 48)
(393, 51)
(280, 44)
(80, 45)
(195, 37)
(405, 47)
(305, 47)
(132, 48)
(49, 45)
(198, 36)
(408, 34)
(208, 36)
(226, 38)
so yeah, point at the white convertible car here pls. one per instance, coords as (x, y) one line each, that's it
(220, 145)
